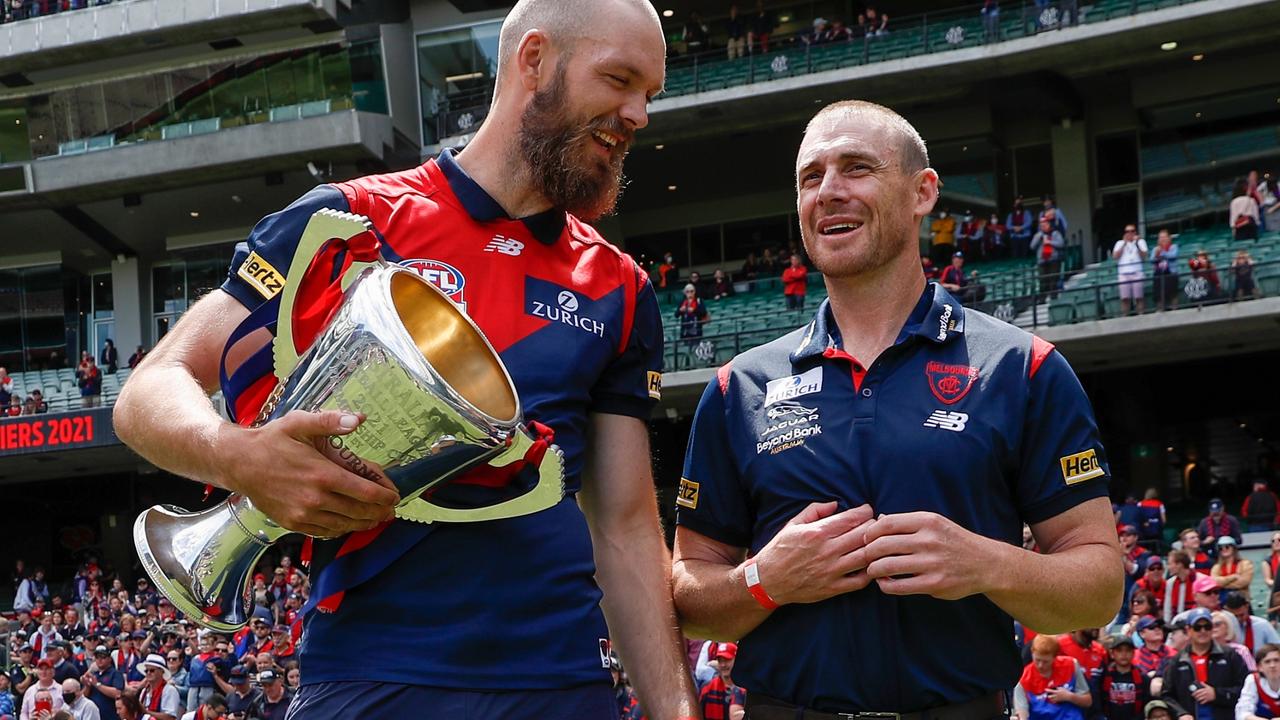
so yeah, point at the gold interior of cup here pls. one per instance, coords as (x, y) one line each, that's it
(453, 346)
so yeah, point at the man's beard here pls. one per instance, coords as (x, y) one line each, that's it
(554, 146)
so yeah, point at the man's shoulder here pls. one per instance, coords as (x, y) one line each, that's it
(770, 361)
(414, 181)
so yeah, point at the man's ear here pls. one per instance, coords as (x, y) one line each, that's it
(533, 59)
(927, 185)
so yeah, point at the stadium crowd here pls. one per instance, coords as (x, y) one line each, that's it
(14, 10)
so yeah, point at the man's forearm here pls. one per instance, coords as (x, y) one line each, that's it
(1055, 592)
(714, 602)
(634, 571)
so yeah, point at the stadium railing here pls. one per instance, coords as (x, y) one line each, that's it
(40, 8)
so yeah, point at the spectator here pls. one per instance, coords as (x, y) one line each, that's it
(1152, 581)
(750, 268)
(839, 32)
(6, 387)
(89, 379)
(668, 271)
(15, 407)
(1142, 603)
(720, 696)
(1151, 520)
(103, 684)
(1242, 282)
(32, 592)
(1130, 253)
(1123, 691)
(1254, 631)
(692, 314)
(1261, 510)
(75, 702)
(1047, 245)
(44, 687)
(720, 286)
(968, 233)
(762, 25)
(159, 698)
(1231, 571)
(1218, 524)
(769, 262)
(1204, 673)
(178, 673)
(1191, 544)
(1243, 212)
(995, 238)
(241, 696)
(1204, 284)
(1148, 657)
(819, 35)
(128, 706)
(930, 271)
(943, 234)
(1053, 214)
(1273, 562)
(695, 279)
(1021, 226)
(794, 283)
(990, 20)
(1134, 555)
(275, 697)
(955, 281)
(212, 709)
(877, 23)
(136, 357)
(63, 668)
(1052, 686)
(1084, 648)
(109, 359)
(695, 34)
(1207, 595)
(736, 30)
(1227, 634)
(7, 709)
(1165, 271)
(623, 695)
(1260, 695)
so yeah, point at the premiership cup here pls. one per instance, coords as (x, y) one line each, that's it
(437, 399)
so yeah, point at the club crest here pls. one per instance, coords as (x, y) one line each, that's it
(949, 383)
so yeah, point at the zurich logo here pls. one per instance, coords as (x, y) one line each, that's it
(567, 301)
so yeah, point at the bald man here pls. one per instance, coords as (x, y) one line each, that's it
(503, 618)
(854, 492)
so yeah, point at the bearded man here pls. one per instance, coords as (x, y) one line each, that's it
(501, 618)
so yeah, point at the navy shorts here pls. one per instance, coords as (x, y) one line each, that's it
(361, 699)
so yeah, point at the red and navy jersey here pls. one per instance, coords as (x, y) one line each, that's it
(964, 416)
(507, 604)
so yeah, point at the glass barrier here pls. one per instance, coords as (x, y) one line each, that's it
(16, 10)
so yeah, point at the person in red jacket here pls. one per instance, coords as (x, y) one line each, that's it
(794, 281)
(720, 694)
(1261, 510)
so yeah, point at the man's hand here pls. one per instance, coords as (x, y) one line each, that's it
(815, 556)
(291, 471)
(924, 553)
(1057, 695)
(1205, 694)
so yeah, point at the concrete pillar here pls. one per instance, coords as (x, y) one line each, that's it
(131, 296)
(1072, 180)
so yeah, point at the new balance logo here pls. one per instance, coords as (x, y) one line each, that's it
(953, 421)
(504, 245)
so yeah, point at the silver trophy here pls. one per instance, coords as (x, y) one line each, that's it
(438, 401)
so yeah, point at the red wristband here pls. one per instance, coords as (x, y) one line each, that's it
(752, 575)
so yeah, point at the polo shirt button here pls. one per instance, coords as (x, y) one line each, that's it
(866, 392)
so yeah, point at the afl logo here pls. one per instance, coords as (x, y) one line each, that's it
(442, 275)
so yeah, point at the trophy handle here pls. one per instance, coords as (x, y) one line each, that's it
(548, 491)
(324, 225)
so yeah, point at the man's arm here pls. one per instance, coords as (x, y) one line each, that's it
(809, 560)
(1076, 581)
(164, 414)
(632, 564)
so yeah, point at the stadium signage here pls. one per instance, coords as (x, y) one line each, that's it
(56, 431)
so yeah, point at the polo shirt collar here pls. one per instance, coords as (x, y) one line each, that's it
(545, 226)
(937, 317)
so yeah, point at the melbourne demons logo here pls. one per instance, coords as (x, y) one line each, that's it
(444, 276)
(949, 383)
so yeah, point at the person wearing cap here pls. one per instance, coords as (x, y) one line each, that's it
(1203, 681)
(1218, 524)
(1254, 631)
(22, 672)
(63, 667)
(44, 683)
(954, 279)
(103, 684)
(1123, 690)
(211, 709)
(1179, 594)
(1153, 649)
(1052, 687)
(242, 697)
(1207, 594)
(1158, 710)
(1260, 695)
(1230, 570)
(275, 696)
(76, 703)
(720, 696)
(281, 644)
(1135, 557)
(159, 697)
(1153, 580)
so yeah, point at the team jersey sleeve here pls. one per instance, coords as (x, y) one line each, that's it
(1063, 462)
(258, 269)
(632, 384)
(711, 499)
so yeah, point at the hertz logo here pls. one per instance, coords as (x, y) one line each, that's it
(655, 385)
(688, 495)
(1081, 466)
(261, 276)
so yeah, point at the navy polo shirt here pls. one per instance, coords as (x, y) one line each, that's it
(964, 416)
